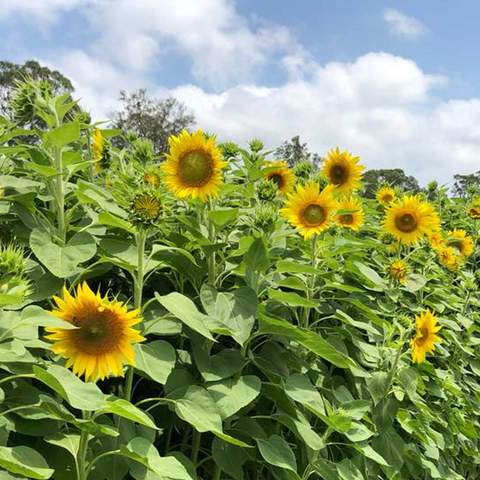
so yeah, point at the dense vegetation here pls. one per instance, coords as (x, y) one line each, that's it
(213, 314)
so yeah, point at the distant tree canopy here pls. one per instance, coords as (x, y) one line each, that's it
(152, 118)
(393, 176)
(466, 185)
(294, 151)
(12, 73)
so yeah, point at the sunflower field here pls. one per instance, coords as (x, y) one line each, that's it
(215, 314)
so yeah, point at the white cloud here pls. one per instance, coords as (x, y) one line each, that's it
(403, 25)
(381, 107)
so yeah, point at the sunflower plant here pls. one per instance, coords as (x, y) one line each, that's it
(214, 314)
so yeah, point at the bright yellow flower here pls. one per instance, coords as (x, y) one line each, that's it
(342, 170)
(281, 175)
(461, 241)
(310, 210)
(425, 336)
(474, 209)
(102, 341)
(193, 168)
(398, 270)
(436, 240)
(386, 195)
(352, 215)
(410, 219)
(449, 258)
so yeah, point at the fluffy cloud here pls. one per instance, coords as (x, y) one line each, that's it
(381, 107)
(403, 25)
(45, 11)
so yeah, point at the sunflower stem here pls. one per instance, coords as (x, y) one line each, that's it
(81, 459)
(197, 436)
(140, 238)
(211, 253)
(312, 279)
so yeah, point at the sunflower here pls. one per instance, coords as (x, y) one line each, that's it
(151, 177)
(102, 341)
(309, 209)
(352, 215)
(461, 241)
(410, 218)
(425, 336)
(281, 175)
(98, 143)
(145, 208)
(386, 195)
(194, 165)
(436, 240)
(449, 257)
(398, 270)
(342, 170)
(474, 212)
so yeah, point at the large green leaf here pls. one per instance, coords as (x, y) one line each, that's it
(62, 261)
(155, 359)
(309, 339)
(276, 451)
(24, 461)
(185, 310)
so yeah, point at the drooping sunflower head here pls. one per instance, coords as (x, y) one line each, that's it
(342, 170)
(102, 341)
(426, 337)
(350, 213)
(386, 195)
(310, 210)
(397, 270)
(280, 175)
(436, 240)
(410, 218)
(152, 178)
(193, 166)
(449, 257)
(146, 208)
(459, 240)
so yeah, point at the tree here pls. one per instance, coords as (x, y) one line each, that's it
(395, 177)
(12, 73)
(466, 185)
(294, 152)
(152, 118)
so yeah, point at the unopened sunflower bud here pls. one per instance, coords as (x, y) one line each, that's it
(267, 190)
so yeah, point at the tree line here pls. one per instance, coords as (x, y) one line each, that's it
(141, 116)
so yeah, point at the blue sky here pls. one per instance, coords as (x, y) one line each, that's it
(395, 82)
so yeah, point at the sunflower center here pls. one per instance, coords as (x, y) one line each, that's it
(456, 243)
(346, 219)
(195, 168)
(422, 336)
(338, 175)
(314, 215)
(406, 222)
(97, 333)
(387, 197)
(277, 179)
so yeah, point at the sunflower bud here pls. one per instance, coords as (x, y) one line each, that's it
(152, 178)
(142, 151)
(28, 94)
(229, 150)
(267, 190)
(145, 209)
(303, 170)
(14, 284)
(255, 145)
(264, 217)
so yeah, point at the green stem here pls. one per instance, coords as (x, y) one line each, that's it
(13, 377)
(81, 459)
(137, 298)
(60, 196)
(96, 459)
(217, 473)
(211, 253)
(311, 283)
(197, 436)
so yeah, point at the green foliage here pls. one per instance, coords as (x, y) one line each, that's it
(265, 356)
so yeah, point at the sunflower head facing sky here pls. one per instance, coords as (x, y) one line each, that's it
(280, 175)
(385, 195)
(342, 170)
(146, 208)
(411, 218)
(102, 341)
(310, 210)
(426, 337)
(193, 166)
(459, 240)
(350, 213)
(398, 271)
